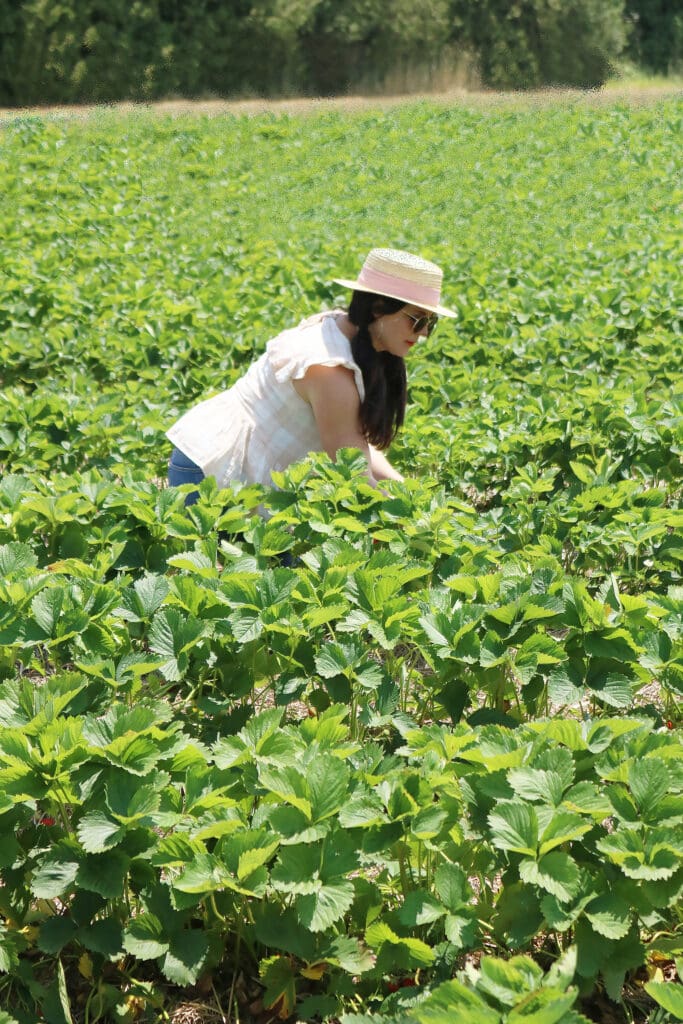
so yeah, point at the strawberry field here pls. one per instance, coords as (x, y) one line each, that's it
(433, 771)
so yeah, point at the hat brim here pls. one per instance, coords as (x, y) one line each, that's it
(357, 287)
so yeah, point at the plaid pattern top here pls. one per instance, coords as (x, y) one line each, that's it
(261, 423)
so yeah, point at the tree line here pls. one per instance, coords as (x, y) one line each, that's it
(63, 51)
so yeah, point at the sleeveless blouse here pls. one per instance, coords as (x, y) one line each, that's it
(262, 424)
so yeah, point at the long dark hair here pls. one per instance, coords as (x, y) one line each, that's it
(382, 411)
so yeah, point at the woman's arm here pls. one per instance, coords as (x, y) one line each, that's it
(332, 394)
(381, 467)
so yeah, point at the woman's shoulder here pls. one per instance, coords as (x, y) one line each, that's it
(318, 340)
(315, 336)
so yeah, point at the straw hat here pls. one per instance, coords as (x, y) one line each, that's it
(400, 275)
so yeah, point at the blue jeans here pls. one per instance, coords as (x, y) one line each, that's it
(182, 470)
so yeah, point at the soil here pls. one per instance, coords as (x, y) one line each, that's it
(638, 95)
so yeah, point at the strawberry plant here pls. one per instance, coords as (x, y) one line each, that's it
(431, 768)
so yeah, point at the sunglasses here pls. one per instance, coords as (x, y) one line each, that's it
(429, 321)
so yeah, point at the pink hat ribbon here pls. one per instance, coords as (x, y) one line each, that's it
(411, 291)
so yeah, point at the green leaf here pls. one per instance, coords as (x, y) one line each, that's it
(98, 833)
(204, 874)
(297, 869)
(614, 690)
(562, 828)
(648, 861)
(56, 875)
(649, 780)
(566, 684)
(547, 1006)
(289, 785)
(277, 974)
(419, 908)
(452, 887)
(55, 933)
(105, 937)
(46, 608)
(536, 784)
(327, 779)
(151, 591)
(362, 810)
(333, 660)
(16, 559)
(185, 959)
(556, 873)
(507, 980)
(609, 915)
(460, 931)
(428, 822)
(145, 937)
(403, 952)
(451, 1002)
(64, 1000)
(667, 994)
(104, 873)
(347, 953)
(514, 826)
(323, 908)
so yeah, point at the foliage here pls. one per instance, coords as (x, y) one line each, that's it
(86, 51)
(432, 768)
(656, 38)
(533, 43)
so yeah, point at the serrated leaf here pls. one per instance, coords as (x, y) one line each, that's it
(255, 858)
(419, 908)
(277, 974)
(460, 931)
(55, 933)
(349, 954)
(536, 784)
(562, 828)
(362, 810)
(451, 1002)
(615, 690)
(327, 779)
(508, 980)
(556, 873)
(323, 908)
(46, 608)
(609, 915)
(451, 885)
(205, 873)
(185, 959)
(428, 822)
(667, 994)
(514, 826)
(98, 833)
(547, 1006)
(151, 591)
(16, 559)
(649, 781)
(56, 875)
(144, 937)
(104, 873)
(297, 869)
(105, 937)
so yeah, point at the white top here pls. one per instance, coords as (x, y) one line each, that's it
(261, 423)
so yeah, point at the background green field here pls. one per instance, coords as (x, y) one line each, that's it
(469, 688)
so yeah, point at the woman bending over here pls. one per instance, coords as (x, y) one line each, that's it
(336, 380)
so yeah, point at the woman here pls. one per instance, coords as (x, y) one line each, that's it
(337, 380)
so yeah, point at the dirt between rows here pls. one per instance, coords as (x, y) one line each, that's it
(637, 95)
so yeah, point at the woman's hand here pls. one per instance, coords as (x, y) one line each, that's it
(381, 467)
